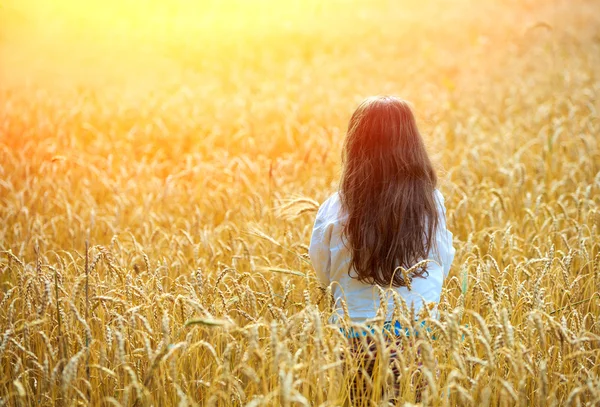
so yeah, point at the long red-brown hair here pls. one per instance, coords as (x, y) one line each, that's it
(387, 191)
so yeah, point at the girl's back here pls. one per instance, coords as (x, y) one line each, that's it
(387, 216)
(331, 260)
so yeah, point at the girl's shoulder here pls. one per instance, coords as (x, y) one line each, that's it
(330, 209)
(438, 196)
(440, 202)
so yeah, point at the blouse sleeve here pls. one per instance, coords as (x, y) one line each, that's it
(319, 246)
(444, 237)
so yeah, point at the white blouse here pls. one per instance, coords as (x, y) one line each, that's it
(331, 261)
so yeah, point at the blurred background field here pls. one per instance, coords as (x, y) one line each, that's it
(189, 143)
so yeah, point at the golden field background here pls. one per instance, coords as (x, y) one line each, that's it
(189, 144)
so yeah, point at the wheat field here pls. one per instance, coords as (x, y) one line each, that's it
(161, 164)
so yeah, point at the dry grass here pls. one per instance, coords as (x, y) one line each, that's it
(186, 177)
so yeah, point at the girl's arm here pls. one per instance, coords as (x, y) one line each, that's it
(319, 247)
(444, 237)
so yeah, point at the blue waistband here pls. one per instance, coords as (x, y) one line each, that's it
(394, 328)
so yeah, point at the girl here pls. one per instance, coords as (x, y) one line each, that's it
(387, 215)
